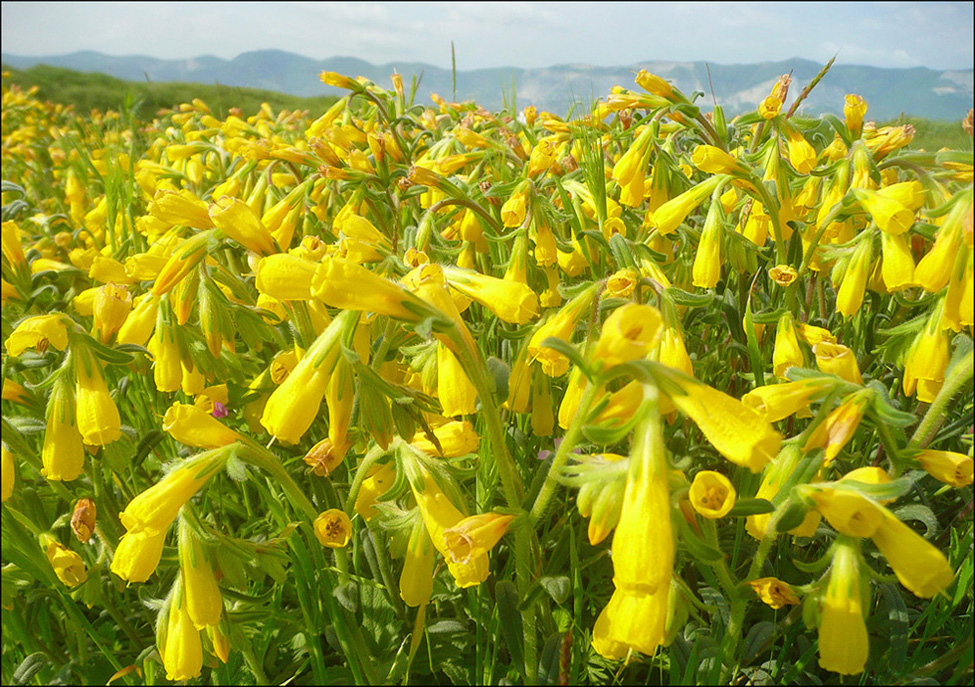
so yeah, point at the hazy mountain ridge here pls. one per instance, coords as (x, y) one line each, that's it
(918, 91)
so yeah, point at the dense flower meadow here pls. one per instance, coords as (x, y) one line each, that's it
(396, 392)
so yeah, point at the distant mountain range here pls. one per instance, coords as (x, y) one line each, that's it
(918, 91)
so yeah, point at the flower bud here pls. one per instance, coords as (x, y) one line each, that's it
(83, 519)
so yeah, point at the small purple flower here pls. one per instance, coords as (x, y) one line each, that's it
(219, 410)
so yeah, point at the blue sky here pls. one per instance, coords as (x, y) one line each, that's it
(523, 34)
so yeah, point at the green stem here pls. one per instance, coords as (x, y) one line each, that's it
(934, 416)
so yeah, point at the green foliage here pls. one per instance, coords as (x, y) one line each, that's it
(92, 91)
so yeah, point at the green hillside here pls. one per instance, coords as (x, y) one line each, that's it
(87, 91)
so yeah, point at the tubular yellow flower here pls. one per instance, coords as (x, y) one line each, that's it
(439, 514)
(849, 296)
(519, 384)
(475, 535)
(13, 248)
(514, 209)
(416, 581)
(333, 528)
(167, 368)
(889, 214)
(63, 453)
(183, 260)
(854, 108)
(771, 105)
(7, 474)
(39, 332)
(774, 592)
(110, 309)
(711, 494)
(237, 219)
(652, 83)
(201, 595)
(713, 160)
(137, 555)
(194, 426)
(778, 401)
(671, 214)
(154, 509)
(560, 325)
(897, 268)
(643, 552)
(786, 353)
(813, 335)
(775, 475)
(343, 284)
(738, 433)
(180, 207)
(839, 360)
(947, 466)
(849, 512)
(378, 481)
(801, 154)
(67, 564)
(339, 399)
(707, 260)
(839, 426)
(96, 414)
(627, 334)
(294, 405)
(919, 566)
(140, 322)
(843, 640)
(180, 647)
(927, 360)
(934, 269)
(511, 301)
(457, 438)
(783, 275)
(456, 392)
(286, 277)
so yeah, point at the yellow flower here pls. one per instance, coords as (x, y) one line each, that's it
(843, 641)
(377, 482)
(779, 401)
(154, 509)
(560, 325)
(652, 83)
(201, 594)
(137, 555)
(713, 160)
(947, 466)
(475, 535)
(839, 360)
(39, 332)
(774, 592)
(286, 277)
(801, 154)
(849, 512)
(96, 413)
(180, 207)
(237, 219)
(897, 267)
(439, 514)
(333, 528)
(67, 564)
(890, 214)
(919, 566)
(183, 260)
(343, 284)
(193, 426)
(771, 105)
(839, 426)
(110, 309)
(775, 475)
(707, 260)
(631, 620)
(786, 353)
(179, 642)
(140, 322)
(627, 334)
(813, 335)
(63, 453)
(711, 494)
(671, 214)
(783, 275)
(514, 209)
(511, 301)
(7, 475)
(13, 248)
(927, 360)
(854, 108)
(294, 405)
(738, 433)
(456, 438)
(849, 296)
(456, 392)
(416, 581)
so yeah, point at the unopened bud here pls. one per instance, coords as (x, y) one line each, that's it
(83, 519)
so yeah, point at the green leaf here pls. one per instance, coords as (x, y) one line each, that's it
(691, 300)
(348, 596)
(745, 507)
(557, 588)
(506, 595)
(795, 513)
